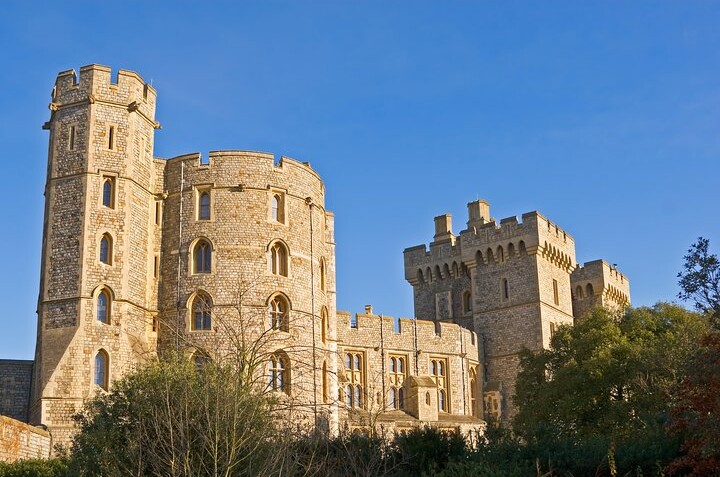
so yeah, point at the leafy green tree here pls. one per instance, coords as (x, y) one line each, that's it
(700, 280)
(607, 383)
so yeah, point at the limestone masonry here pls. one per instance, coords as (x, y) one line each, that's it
(142, 254)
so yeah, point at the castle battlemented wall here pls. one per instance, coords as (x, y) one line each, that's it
(201, 248)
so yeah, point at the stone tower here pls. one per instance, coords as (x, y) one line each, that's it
(511, 283)
(247, 239)
(97, 291)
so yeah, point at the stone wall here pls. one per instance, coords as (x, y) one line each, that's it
(15, 384)
(22, 441)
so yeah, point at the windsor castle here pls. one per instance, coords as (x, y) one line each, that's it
(141, 254)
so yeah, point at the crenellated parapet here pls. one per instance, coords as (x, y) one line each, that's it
(598, 283)
(94, 84)
(435, 337)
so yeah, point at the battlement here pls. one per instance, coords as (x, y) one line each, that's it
(356, 327)
(95, 84)
(247, 170)
(601, 283)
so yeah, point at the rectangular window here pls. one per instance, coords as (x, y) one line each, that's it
(156, 266)
(439, 373)
(397, 369)
(556, 295)
(71, 140)
(355, 379)
(158, 212)
(111, 137)
(204, 205)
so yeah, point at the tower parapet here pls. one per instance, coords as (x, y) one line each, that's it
(95, 84)
(598, 283)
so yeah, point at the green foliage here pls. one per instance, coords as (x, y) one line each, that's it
(700, 280)
(172, 419)
(426, 450)
(35, 468)
(601, 395)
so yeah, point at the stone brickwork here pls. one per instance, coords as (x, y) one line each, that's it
(378, 339)
(19, 440)
(598, 283)
(510, 282)
(197, 253)
(15, 382)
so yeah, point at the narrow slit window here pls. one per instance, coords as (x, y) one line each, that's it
(111, 138)
(106, 249)
(556, 294)
(101, 369)
(108, 197)
(71, 140)
(506, 289)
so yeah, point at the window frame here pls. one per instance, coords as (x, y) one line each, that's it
(205, 312)
(354, 368)
(277, 215)
(201, 257)
(438, 370)
(103, 294)
(279, 318)
(105, 378)
(108, 240)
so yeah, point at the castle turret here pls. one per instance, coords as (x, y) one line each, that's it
(96, 300)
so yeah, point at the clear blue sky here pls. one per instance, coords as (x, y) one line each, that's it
(603, 116)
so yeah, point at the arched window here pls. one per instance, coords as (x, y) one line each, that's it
(521, 247)
(108, 197)
(420, 276)
(102, 369)
(279, 313)
(324, 324)
(106, 249)
(278, 373)
(589, 289)
(578, 293)
(201, 313)
(500, 254)
(506, 289)
(201, 359)
(278, 207)
(278, 259)
(322, 274)
(103, 307)
(467, 301)
(511, 250)
(202, 257)
(428, 275)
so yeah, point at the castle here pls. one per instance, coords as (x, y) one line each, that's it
(141, 254)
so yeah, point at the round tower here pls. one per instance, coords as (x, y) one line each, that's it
(96, 301)
(248, 273)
